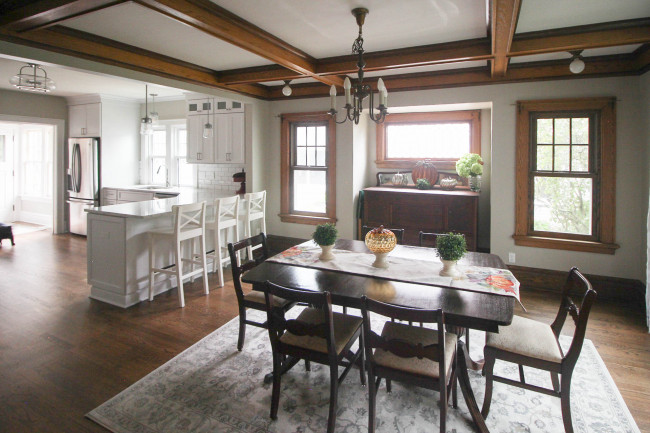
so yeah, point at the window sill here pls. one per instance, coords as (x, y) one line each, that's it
(305, 219)
(565, 244)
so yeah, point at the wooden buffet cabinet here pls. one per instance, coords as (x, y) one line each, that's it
(415, 210)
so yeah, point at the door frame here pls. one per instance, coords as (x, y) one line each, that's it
(58, 196)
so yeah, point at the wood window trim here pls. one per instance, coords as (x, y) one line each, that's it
(473, 116)
(607, 192)
(285, 170)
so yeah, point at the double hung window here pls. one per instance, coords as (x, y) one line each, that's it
(165, 156)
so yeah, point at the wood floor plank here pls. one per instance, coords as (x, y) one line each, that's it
(62, 354)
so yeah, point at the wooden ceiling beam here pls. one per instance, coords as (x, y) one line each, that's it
(504, 17)
(44, 13)
(582, 37)
(220, 23)
(88, 46)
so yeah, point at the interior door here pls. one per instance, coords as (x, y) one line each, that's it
(6, 175)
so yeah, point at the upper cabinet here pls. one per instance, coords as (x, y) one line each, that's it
(85, 120)
(224, 142)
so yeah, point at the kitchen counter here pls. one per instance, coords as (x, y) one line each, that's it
(162, 206)
(118, 244)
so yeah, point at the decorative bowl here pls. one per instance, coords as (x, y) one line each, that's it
(448, 183)
(380, 241)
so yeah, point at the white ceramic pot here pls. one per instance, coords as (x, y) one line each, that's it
(449, 269)
(326, 253)
(380, 260)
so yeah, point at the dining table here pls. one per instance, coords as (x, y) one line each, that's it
(464, 309)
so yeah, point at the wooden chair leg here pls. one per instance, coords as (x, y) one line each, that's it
(489, 382)
(179, 273)
(151, 273)
(372, 400)
(362, 357)
(565, 395)
(307, 365)
(334, 392)
(217, 257)
(389, 387)
(204, 263)
(443, 407)
(556, 382)
(277, 376)
(242, 329)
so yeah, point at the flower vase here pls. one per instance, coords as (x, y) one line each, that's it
(449, 269)
(475, 183)
(326, 253)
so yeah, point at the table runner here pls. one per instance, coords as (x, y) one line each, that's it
(407, 264)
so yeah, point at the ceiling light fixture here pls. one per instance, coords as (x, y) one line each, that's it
(32, 81)
(353, 102)
(577, 65)
(153, 113)
(146, 124)
(286, 90)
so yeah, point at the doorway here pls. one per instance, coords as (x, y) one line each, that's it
(27, 175)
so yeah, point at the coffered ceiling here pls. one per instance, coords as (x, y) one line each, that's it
(251, 46)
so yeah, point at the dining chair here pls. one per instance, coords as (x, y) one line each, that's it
(410, 354)
(254, 210)
(426, 239)
(254, 300)
(317, 335)
(188, 225)
(399, 233)
(534, 344)
(226, 217)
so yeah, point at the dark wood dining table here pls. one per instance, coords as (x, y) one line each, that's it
(463, 309)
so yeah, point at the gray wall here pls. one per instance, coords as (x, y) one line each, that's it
(632, 166)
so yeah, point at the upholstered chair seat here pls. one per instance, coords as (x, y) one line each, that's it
(258, 298)
(528, 338)
(345, 327)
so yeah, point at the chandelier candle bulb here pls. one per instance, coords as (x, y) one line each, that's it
(347, 85)
(333, 96)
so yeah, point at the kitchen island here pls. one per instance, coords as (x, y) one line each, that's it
(118, 245)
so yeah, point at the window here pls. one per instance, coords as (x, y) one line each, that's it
(566, 158)
(36, 161)
(165, 154)
(443, 137)
(308, 168)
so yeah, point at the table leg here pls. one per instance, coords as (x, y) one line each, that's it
(466, 388)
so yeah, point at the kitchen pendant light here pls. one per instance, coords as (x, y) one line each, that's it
(354, 95)
(208, 130)
(32, 81)
(154, 114)
(146, 124)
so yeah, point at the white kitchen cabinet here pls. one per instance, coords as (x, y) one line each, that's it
(109, 196)
(199, 106)
(229, 135)
(127, 196)
(200, 150)
(227, 106)
(85, 120)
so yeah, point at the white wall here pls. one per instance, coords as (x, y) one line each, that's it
(632, 166)
(644, 92)
(120, 143)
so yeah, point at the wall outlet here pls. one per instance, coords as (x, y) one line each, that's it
(511, 257)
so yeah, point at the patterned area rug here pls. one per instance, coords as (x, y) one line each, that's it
(211, 387)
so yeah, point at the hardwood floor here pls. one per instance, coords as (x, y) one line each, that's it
(62, 354)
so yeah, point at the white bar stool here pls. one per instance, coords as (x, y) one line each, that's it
(255, 210)
(226, 216)
(189, 224)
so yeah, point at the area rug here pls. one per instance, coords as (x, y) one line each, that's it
(211, 387)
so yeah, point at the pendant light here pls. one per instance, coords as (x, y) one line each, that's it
(208, 130)
(286, 90)
(154, 114)
(577, 65)
(32, 81)
(146, 124)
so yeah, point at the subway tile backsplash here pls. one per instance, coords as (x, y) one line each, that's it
(218, 176)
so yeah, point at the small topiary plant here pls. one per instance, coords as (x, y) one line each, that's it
(451, 246)
(422, 184)
(325, 234)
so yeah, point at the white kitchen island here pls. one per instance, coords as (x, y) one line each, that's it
(118, 246)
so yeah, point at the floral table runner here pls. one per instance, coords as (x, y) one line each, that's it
(407, 264)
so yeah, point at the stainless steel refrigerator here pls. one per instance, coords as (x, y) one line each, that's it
(83, 180)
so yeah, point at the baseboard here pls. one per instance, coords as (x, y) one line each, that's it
(611, 288)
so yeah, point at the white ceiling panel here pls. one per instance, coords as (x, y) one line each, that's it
(70, 82)
(327, 28)
(553, 14)
(135, 25)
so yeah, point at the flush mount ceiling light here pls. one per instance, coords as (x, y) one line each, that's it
(31, 80)
(286, 90)
(153, 113)
(353, 102)
(577, 65)
(146, 123)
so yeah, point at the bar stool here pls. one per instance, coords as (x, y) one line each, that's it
(226, 216)
(189, 224)
(255, 210)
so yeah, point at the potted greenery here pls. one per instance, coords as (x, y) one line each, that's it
(325, 235)
(470, 166)
(451, 247)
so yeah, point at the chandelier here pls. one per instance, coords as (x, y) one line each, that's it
(360, 91)
(32, 81)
